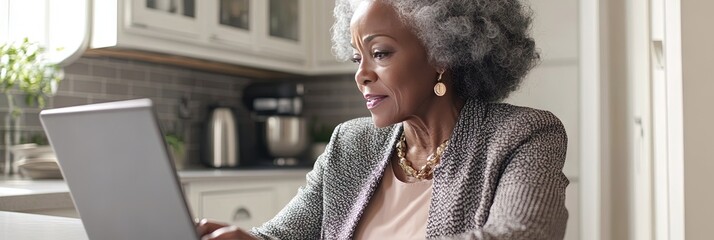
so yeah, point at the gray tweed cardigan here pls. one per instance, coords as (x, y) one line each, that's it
(500, 178)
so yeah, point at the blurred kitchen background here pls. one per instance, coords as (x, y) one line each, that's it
(625, 77)
(327, 100)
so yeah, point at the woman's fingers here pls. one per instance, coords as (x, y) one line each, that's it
(205, 226)
(210, 230)
(228, 233)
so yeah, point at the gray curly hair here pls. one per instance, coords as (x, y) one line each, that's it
(486, 44)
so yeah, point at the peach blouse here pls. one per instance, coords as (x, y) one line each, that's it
(397, 210)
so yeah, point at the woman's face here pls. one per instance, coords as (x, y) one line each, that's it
(394, 74)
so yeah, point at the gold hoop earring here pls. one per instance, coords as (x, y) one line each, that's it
(440, 87)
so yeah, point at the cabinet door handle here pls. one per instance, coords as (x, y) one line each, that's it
(139, 25)
(241, 214)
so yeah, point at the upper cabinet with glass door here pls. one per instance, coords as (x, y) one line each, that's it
(276, 29)
(270, 34)
(287, 25)
(232, 23)
(284, 19)
(170, 17)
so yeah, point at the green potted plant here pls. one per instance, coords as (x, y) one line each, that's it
(321, 134)
(177, 150)
(24, 71)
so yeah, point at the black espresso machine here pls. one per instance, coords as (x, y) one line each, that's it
(281, 132)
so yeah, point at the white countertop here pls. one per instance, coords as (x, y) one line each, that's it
(18, 194)
(32, 226)
(19, 186)
(23, 195)
(192, 175)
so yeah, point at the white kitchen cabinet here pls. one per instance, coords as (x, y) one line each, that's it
(174, 17)
(274, 29)
(246, 201)
(323, 61)
(287, 27)
(245, 208)
(232, 23)
(279, 35)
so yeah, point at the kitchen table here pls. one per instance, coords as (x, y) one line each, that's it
(27, 226)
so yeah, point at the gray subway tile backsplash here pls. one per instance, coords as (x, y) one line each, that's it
(141, 91)
(173, 93)
(186, 81)
(79, 68)
(66, 100)
(159, 77)
(213, 84)
(92, 86)
(131, 74)
(117, 89)
(329, 99)
(104, 71)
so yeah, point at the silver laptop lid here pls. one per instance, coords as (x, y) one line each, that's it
(114, 159)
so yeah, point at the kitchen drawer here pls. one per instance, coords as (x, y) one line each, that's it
(225, 195)
(245, 208)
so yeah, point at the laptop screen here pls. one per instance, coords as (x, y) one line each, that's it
(116, 164)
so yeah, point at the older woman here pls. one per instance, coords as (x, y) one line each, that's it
(439, 158)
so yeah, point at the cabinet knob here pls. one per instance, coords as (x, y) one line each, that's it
(241, 214)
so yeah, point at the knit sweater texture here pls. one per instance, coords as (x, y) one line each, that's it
(500, 177)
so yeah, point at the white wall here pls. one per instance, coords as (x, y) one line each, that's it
(554, 86)
(698, 98)
(65, 21)
(698, 87)
(617, 110)
(620, 148)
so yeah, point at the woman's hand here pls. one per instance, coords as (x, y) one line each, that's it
(210, 230)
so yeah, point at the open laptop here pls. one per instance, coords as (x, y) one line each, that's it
(116, 164)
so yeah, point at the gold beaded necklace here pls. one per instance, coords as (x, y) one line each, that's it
(425, 171)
